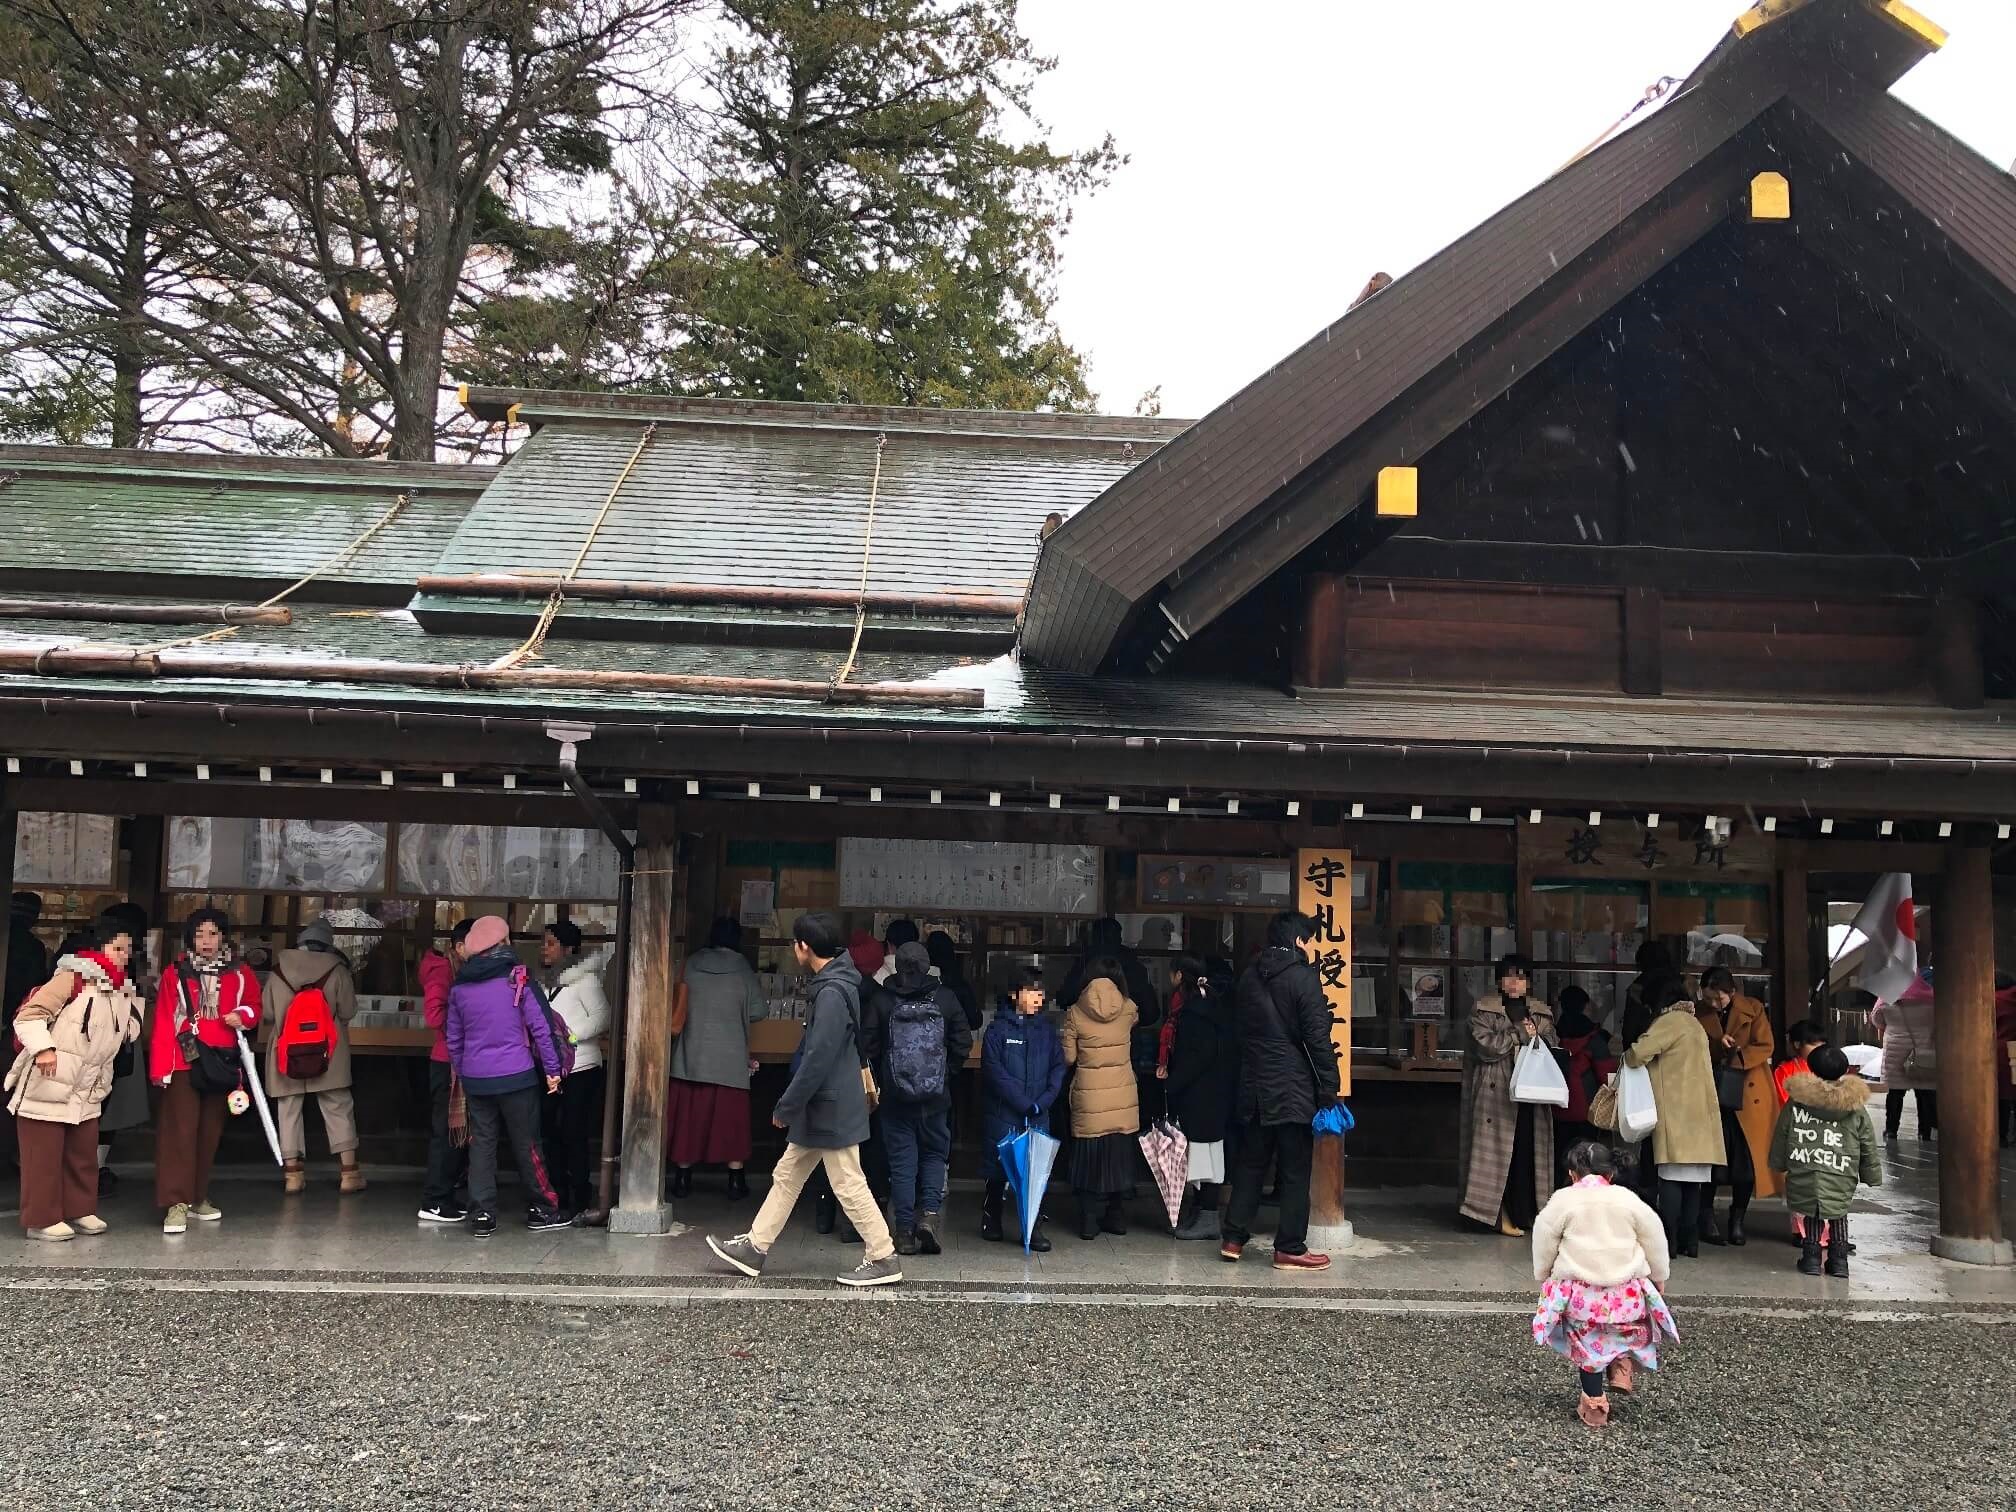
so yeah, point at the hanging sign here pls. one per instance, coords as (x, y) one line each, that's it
(1323, 892)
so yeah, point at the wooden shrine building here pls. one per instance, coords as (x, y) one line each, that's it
(1637, 567)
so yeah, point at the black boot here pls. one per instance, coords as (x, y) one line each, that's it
(825, 1212)
(990, 1211)
(906, 1241)
(927, 1235)
(1114, 1219)
(1038, 1244)
(1088, 1219)
(1186, 1212)
(1710, 1230)
(1809, 1249)
(738, 1184)
(1837, 1250)
(682, 1181)
(1738, 1236)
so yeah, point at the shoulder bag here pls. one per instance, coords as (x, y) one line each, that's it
(213, 1070)
(1919, 1061)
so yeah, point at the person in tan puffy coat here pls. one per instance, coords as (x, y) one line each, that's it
(71, 1030)
(1105, 1103)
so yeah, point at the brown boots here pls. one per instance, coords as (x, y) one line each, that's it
(353, 1173)
(352, 1179)
(297, 1178)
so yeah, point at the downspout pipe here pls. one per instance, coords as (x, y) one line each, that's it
(571, 738)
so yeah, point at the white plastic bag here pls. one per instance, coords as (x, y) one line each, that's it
(1637, 1113)
(1536, 1076)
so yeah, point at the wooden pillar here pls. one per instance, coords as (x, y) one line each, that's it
(1956, 653)
(641, 1207)
(1643, 674)
(1970, 1217)
(1795, 954)
(1328, 1227)
(7, 831)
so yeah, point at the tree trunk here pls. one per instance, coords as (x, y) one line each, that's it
(129, 348)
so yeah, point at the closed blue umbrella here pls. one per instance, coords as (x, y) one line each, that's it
(1027, 1158)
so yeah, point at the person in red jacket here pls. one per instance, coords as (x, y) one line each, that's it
(210, 993)
(1590, 1060)
(447, 1158)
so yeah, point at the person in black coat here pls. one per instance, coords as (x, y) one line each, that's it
(1287, 1067)
(1203, 1088)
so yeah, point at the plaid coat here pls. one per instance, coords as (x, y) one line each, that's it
(1490, 1119)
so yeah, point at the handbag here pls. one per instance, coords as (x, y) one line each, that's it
(1536, 1077)
(212, 1070)
(1637, 1109)
(1921, 1063)
(1603, 1105)
(1729, 1084)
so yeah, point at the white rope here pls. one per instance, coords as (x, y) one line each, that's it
(867, 551)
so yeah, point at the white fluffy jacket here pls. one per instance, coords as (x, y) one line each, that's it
(578, 998)
(1601, 1234)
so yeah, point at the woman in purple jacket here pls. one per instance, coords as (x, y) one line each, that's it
(500, 1046)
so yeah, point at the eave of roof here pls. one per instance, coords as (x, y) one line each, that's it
(536, 407)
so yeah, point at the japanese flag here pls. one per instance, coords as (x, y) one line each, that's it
(1888, 921)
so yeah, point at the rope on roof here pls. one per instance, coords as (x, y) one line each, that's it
(867, 550)
(329, 565)
(532, 643)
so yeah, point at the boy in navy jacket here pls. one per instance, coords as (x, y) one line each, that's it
(1021, 1073)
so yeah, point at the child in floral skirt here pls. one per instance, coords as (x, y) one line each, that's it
(1600, 1253)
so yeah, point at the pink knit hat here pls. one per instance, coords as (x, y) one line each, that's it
(485, 933)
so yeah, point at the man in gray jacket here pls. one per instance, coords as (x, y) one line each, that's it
(824, 1113)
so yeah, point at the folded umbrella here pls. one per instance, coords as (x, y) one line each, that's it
(257, 1092)
(1167, 1151)
(1027, 1159)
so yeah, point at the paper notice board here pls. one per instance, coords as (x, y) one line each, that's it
(960, 876)
(1323, 891)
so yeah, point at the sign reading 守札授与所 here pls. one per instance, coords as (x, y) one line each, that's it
(1323, 891)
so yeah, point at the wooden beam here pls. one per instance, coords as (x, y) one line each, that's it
(1970, 1213)
(641, 1207)
(1643, 676)
(1320, 649)
(413, 803)
(1955, 653)
(1674, 569)
(1794, 947)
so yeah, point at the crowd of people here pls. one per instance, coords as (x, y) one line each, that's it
(516, 1059)
(1241, 1068)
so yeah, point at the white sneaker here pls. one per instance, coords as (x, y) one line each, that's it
(56, 1233)
(91, 1223)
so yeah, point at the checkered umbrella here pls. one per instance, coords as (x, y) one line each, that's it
(1168, 1155)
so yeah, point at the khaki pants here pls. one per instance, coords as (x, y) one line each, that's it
(843, 1169)
(339, 1122)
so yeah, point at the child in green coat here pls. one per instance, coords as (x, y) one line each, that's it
(1826, 1145)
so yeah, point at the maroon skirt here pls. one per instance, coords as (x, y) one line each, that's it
(706, 1124)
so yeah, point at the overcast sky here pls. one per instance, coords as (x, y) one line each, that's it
(1281, 151)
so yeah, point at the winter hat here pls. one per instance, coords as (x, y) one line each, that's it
(316, 934)
(1828, 1063)
(487, 933)
(866, 952)
(913, 961)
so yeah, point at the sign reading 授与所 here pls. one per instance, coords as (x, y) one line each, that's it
(1323, 891)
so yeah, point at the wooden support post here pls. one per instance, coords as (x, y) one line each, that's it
(1643, 675)
(1795, 954)
(1956, 653)
(641, 1207)
(1970, 1218)
(7, 828)
(1328, 1227)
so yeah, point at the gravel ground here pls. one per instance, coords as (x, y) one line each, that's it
(133, 1399)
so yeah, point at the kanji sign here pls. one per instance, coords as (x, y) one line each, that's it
(1323, 891)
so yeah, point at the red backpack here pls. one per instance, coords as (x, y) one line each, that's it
(306, 1042)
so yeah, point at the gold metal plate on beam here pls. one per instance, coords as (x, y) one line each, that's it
(1919, 25)
(1770, 197)
(1763, 13)
(1399, 492)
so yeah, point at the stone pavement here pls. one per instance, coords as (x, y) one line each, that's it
(1409, 1241)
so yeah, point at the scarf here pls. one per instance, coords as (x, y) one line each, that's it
(110, 974)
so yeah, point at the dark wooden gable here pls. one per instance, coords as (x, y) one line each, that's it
(1231, 506)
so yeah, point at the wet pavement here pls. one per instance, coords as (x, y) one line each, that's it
(1408, 1242)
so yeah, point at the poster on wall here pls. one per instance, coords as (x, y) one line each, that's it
(1264, 884)
(506, 861)
(1427, 993)
(64, 850)
(961, 876)
(1323, 891)
(275, 855)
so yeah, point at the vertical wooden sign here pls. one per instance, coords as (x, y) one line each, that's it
(1323, 891)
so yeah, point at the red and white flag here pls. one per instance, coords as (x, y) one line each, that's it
(1889, 922)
